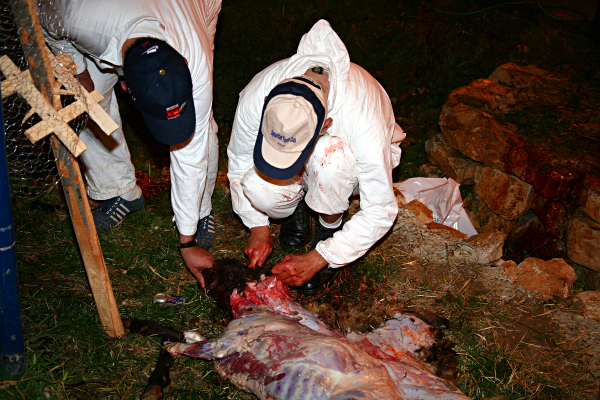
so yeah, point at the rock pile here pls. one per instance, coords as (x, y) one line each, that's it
(542, 192)
(416, 235)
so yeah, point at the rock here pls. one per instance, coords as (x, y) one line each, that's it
(544, 278)
(529, 237)
(508, 264)
(554, 215)
(430, 171)
(468, 125)
(483, 218)
(591, 279)
(528, 226)
(551, 181)
(495, 123)
(485, 95)
(420, 210)
(439, 246)
(475, 134)
(583, 242)
(491, 278)
(504, 194)
(450, 161)
(485, 247)
(532, 82)
(589, 198)
(456, 233)
(399, 197)
(589, 302)
(536, 202)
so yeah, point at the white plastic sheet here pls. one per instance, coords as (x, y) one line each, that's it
(440, 195)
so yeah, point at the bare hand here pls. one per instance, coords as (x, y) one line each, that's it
(259, 246)
(86, 81)
(196, 259)
(297, 269)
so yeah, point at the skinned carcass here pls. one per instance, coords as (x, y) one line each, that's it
(277, 350)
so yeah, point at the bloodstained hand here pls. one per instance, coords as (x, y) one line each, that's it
(297, 269)
(259, 246)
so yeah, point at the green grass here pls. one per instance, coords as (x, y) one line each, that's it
(419, 56)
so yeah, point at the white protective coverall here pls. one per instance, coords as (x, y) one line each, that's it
(363, 122)
(92, 33)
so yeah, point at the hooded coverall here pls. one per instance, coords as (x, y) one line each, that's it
(356, 155)
(92, 33)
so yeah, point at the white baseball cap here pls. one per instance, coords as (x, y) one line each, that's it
(292, 118)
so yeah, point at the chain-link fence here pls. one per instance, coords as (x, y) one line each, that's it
(31, 166)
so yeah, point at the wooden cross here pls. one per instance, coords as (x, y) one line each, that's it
(52, 120)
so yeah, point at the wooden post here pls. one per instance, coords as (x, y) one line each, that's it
(34, 46)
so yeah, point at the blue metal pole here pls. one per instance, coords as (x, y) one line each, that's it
(12, 363)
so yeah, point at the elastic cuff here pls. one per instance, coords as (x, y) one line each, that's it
(334, 225)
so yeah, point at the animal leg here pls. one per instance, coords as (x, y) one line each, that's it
(149, 328)
(159, 379)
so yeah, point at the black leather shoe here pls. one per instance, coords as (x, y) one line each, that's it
(322, 279)
(325, 277)
(296, 230)
(322, 233)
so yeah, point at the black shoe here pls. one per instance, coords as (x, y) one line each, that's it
(322, 280)
(322, 233)
(325, 277)
(205, 233)
(112, 211)
(296, 230)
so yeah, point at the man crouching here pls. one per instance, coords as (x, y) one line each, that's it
(309, 132)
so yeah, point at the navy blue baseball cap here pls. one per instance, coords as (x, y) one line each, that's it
(291, 121)
(160, 84)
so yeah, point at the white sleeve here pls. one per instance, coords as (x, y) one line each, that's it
(190, 167)
(378, 206)
(240, 153)
(189, 176)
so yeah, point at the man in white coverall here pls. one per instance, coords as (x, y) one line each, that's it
(309, 132)
(164, 51)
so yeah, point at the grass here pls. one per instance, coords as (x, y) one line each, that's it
(419, 56)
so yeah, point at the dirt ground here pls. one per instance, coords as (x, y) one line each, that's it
(547, 339)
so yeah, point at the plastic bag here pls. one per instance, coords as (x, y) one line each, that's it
(440, 195)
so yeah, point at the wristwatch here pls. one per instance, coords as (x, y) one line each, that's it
(193, 243)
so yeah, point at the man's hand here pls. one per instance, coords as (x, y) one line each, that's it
(259, 246)
(196, 259)
(86, 81)
(297, 269)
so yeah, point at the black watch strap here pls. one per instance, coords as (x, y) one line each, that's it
(193, 243)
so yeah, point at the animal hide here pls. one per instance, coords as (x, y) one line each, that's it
(277, 350)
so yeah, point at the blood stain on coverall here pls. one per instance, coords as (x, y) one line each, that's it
(334, 147)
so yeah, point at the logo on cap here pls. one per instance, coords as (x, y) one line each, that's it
(174, 111)
(151, 50)
(283, 138)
